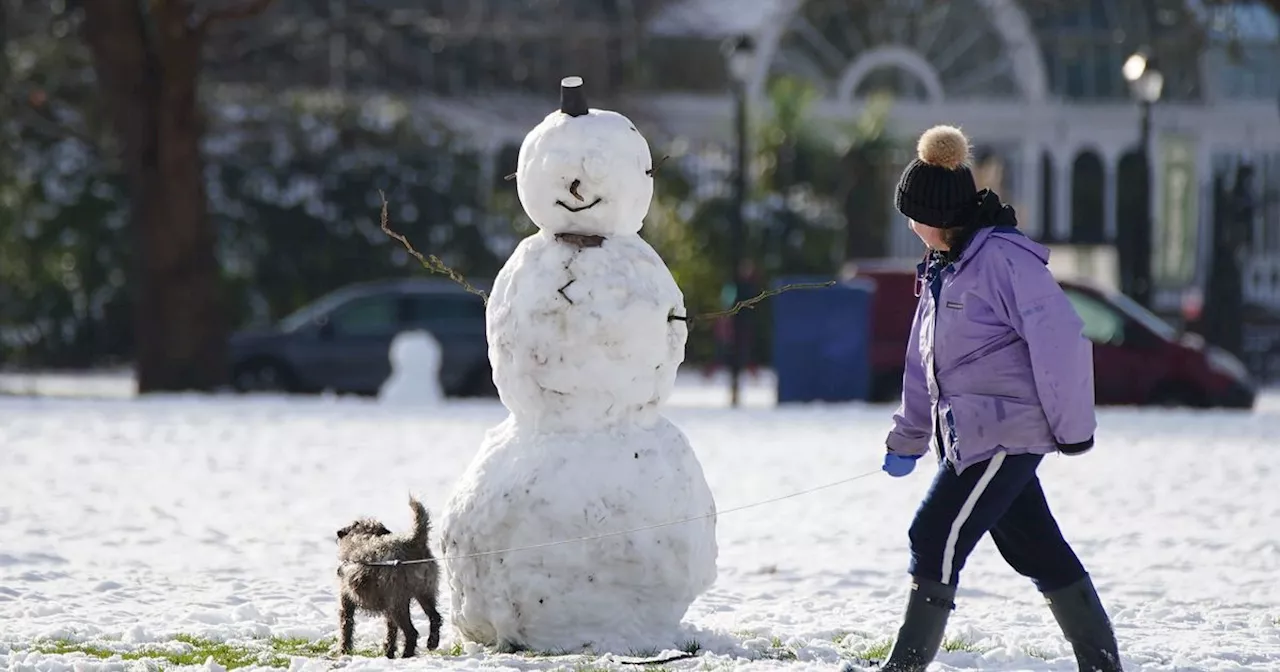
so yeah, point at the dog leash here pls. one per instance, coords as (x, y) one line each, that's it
(593, 537)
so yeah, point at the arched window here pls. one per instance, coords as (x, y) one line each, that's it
(1088, 209)
(1047, 175)
(1131, 194)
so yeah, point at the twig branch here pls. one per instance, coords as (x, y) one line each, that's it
(751, 302)
(244, 10)
(433, 264)
(430, 262)
(656, 166)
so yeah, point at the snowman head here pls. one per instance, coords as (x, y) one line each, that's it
(585, 171)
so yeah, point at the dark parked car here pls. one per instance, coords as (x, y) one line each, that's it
(1139, 359)
(341, 341)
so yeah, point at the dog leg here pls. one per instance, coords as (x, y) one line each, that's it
(405, 621)
(428, 603)
(389, 648)
(347, 623)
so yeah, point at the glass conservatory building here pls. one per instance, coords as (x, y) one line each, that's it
(1040, 87)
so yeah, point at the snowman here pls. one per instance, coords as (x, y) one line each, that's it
(585, 334)
(415, 370)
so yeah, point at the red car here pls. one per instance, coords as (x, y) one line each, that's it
(1138, 358)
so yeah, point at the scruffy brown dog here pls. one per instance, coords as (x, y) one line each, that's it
(388, 590)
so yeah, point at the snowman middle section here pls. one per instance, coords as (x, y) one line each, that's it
(582, 337)
(583, 352)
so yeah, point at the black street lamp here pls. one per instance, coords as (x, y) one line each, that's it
(1146, 84)
(739, 55)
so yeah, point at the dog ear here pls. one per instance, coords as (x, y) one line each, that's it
(344, 531)
(382, 530)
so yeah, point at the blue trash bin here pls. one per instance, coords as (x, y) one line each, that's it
(821, 342)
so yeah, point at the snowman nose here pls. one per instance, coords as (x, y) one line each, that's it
(573, 189)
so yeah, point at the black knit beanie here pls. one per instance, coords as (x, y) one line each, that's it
(937, 185)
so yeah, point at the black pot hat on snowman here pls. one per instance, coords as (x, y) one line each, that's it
(585, 171)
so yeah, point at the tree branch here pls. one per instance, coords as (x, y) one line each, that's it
(751, 302)
(245, 10)
(430, 262)
(433, 264)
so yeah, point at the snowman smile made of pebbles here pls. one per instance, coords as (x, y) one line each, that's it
(584, 347)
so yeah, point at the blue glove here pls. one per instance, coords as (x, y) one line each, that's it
(898, 466)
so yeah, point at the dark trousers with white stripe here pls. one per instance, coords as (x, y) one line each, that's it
(1001, 496)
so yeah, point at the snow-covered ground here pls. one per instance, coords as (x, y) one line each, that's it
(125, 524)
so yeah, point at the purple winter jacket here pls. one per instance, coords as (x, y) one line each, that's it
(998, 360)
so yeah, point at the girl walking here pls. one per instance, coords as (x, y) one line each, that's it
(997, 376)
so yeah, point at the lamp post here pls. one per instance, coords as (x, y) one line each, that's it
(739, 55)
(1146, 84)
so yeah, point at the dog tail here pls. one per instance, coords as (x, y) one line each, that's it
(421, 523)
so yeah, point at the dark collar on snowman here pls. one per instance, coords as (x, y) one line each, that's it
(580, 240)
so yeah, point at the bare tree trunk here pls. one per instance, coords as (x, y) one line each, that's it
(148, 65)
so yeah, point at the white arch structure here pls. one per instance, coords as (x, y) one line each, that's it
(901, 57)
(1008, 19)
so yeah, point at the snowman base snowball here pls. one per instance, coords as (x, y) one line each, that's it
(614, 593)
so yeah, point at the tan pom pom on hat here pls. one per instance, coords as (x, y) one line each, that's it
(937, 184)
(943, 146)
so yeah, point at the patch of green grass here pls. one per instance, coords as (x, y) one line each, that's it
(273, 652)
(323, 648)
(644, 653)
(63, 646)
(959, 644)
(301, 646)
(197, 651)
(229, 656)
(691, 646)
(778, 651)
(850, 639)
(877, 651)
